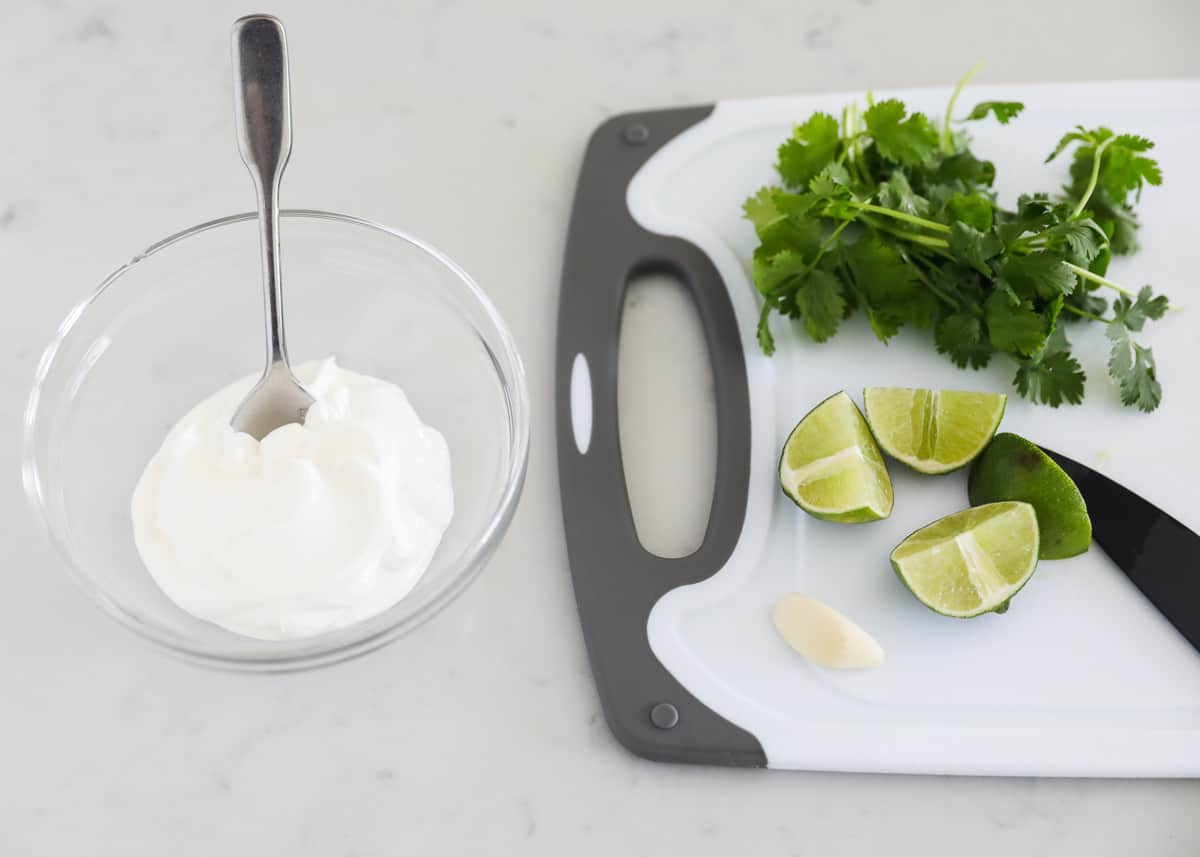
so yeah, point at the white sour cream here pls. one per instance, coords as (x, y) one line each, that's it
(318, 526)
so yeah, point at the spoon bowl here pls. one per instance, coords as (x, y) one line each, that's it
(276, 400)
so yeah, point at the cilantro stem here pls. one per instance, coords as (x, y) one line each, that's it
(1091, 186)
(827, 245)
(949, 300)
(853, 135)
(848, 134)
(900, 215)
(850, 142)
(1096, 278)
(844, 130)
(936, 244)
(831, 240)
(947, 147)
(1084, 313)
(923, 240)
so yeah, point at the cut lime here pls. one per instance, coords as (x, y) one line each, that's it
(971, 562)
(1013, 468)
(831, 467)
(933, 431)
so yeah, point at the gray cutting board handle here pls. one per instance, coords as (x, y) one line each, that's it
(617, 582)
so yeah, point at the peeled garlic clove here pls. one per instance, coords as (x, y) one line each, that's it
(823, 635)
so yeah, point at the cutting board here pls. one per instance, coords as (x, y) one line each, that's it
(1082, 677)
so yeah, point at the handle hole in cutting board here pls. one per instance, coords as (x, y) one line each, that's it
(667, 415)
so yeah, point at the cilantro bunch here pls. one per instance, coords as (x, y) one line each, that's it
(884, 212)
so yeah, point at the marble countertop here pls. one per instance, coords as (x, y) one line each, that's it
(481, 733)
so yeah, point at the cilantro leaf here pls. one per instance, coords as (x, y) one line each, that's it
(775, 274)
(799, 234)
(811, 146)
(974, 248)
(792, 286)
(897, 193)
(1034, 213)
(1004, 111)
(820, 303)
(833, 181)
(761, 209)
(1056, 342)
(794, 204)
(1042, 274)
(1123, 167)
(967, 286)
(1078, 135)
(1083, 239)
(1120, 224)
(893, 291)
(909, 141)
(964, 168)
(974, 210)
(1017, 329)
(1134, 142)
(883, 324)
(960, 337)
(1054, 379)
(1134, 314)
(1004, 289)
(1099, 265)
(879, 269)
(1132, 366)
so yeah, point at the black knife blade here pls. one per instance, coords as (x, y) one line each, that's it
(1160, 555)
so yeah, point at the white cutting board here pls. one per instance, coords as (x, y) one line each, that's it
(1082, 676)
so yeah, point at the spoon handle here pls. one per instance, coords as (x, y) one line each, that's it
(264, 130)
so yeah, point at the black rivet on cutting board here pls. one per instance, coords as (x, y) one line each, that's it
(664, 715)
(636, 134)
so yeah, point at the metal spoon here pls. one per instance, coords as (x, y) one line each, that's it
(264, 127)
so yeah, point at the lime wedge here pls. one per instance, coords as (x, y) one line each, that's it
(971, 562)
(933, 431)
(1013, 468)
(831, 467)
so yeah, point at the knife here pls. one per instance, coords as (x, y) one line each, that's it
(1160, 555)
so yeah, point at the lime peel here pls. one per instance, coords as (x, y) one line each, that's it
(1013, 468)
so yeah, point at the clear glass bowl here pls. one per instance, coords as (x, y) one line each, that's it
(183, 319)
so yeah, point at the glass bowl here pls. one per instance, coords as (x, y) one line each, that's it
(183, 319)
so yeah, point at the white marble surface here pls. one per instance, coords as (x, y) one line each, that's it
(463, 122)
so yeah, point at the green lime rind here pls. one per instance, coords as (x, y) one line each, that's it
(933, 431)
(972, 562)
(831, 467)
(1013, 468)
